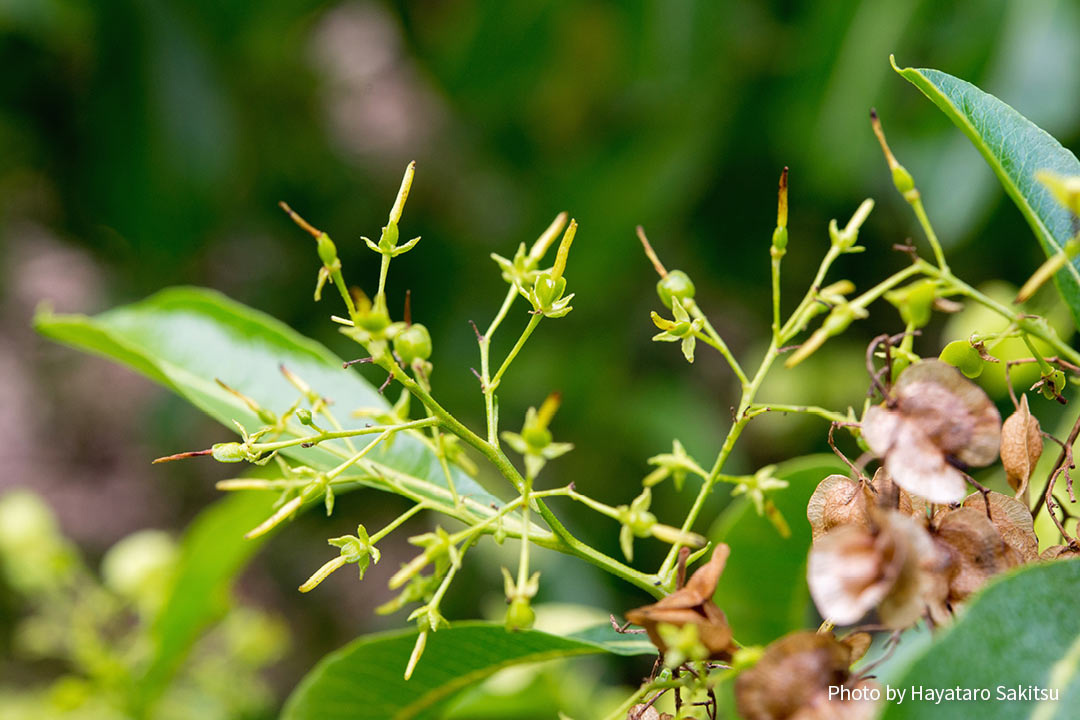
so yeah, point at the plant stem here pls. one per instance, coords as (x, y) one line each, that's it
(533, 322)
(485, 367)
(713, 338)
(396, 522)
(341, 434)
(567, 542)
(523, 561)
(756, 409)
(1024, 323)
(931, 236)
(384, 267)
(776, 295)
(440, 453)
(339, 283)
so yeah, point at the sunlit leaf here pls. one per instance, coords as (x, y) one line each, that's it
(1015, 148)
(364, 678)
(1022, 631)
(186, 338)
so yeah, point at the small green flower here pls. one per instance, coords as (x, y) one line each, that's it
(520, 272)
(546, 292)
(357, 549)
(387, 244)
(674, 465)
(428, 617)
(755, 486)
(681, 329)
(636, 521)
(534, 442)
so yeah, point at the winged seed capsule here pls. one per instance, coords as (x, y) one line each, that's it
(934, 417)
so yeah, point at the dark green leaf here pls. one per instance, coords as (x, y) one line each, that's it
(763, 589)
(365, 679)
(1021, 631)
(1015, 148)
(186, 338)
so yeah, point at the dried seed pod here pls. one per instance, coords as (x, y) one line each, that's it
(849, 571)
(858, 643)
(890, 566)
(692, 604)
(1013, 521)
(838, 500)
(1021, 446)
(892, 496)
(976, 549)
(933, 415)
(792, 679)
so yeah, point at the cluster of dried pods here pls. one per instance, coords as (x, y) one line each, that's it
(910, 544)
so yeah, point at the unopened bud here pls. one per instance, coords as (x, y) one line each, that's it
(229, 452)
(676, 284)
(520, 615)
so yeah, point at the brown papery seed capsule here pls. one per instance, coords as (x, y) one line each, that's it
(1021, 446)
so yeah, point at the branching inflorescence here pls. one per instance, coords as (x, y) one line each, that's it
(922, 543)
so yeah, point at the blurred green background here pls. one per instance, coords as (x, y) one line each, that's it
(146, 144)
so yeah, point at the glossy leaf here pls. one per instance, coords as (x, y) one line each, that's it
(364, 679)
(186, 338)
(1021, 631)
(1015, 148)
(763, 589)
(212, 553)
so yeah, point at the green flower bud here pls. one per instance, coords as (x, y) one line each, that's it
(229, 452)
(1053, 385)
(902, 179)
(780, 238)
(304, 416)
(676, 284)
(537, 438)
(376, 318)
(641, 522)
(327, 251)
(520, 615)
(548, 289)
(961, 355)
(914, 301)
(413, 343)
(389, 238)
(838, 320)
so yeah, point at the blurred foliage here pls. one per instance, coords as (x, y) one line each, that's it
(159, 136)
(99, 633)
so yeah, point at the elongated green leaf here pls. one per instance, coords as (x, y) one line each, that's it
(212, 554)
(186, 338)
(1021, 632)
(763, 589)
(1015, 148)
(365, 679)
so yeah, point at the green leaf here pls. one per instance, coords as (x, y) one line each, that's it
(212, 554)
(186, 338)
(364, 678)
(1015, 148)
(1021, 631)
(763, 589)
